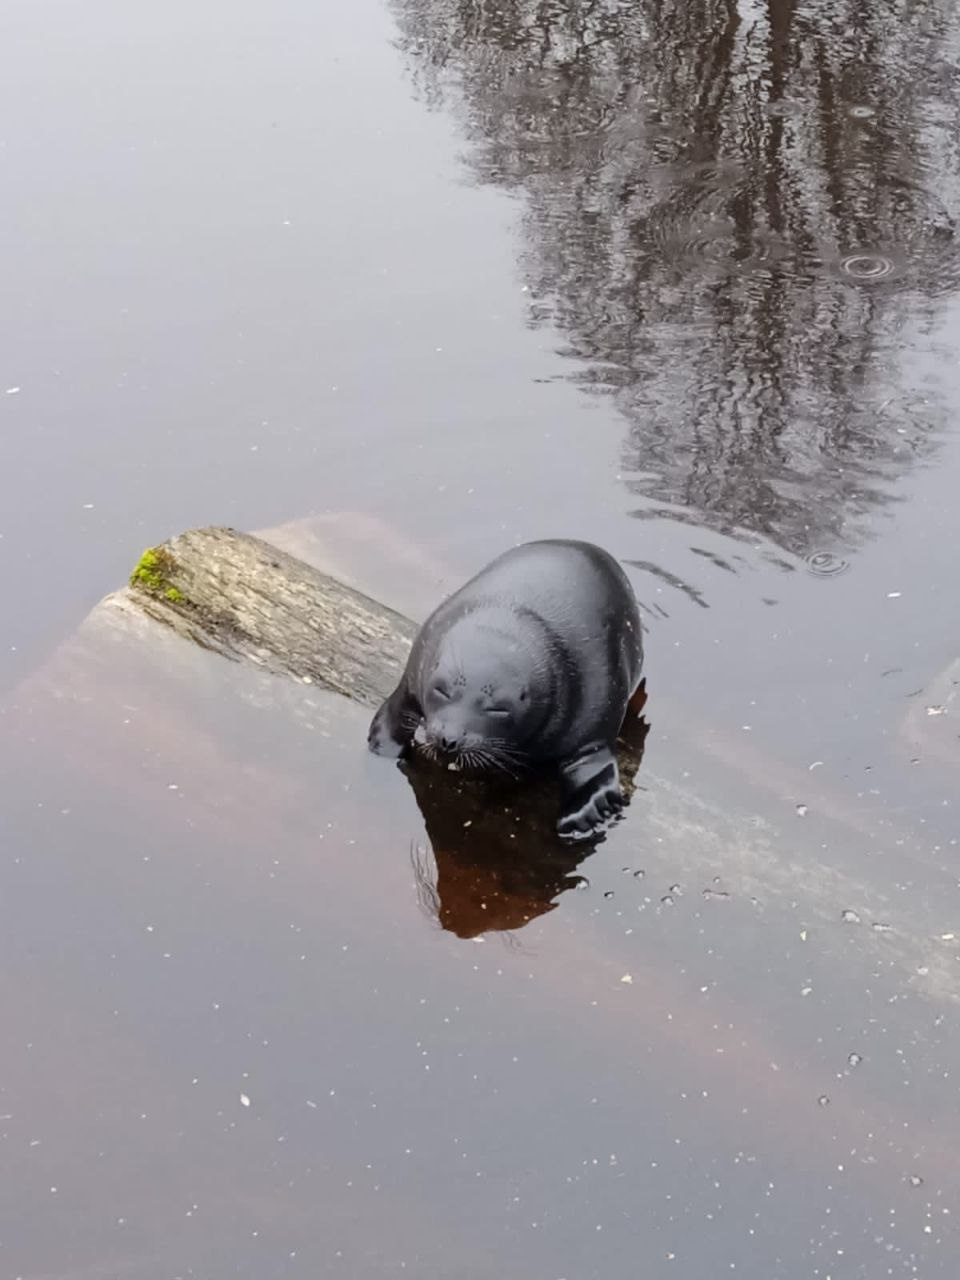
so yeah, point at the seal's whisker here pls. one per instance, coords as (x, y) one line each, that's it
(504, 745)
(500, 753)
(493, 759)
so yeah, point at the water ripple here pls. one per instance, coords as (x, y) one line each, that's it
(823, 564)
(867, 266)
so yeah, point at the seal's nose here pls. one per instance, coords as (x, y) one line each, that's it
(448, 744)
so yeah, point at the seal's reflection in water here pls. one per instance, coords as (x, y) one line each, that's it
(498, 862)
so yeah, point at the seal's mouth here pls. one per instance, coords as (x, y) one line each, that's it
(473, 754)
(455, 759)
(427, 746)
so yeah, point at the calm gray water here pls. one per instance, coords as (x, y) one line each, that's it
(681, 278)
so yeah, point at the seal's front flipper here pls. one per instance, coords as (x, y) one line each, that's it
(590, 793)
(393, 727)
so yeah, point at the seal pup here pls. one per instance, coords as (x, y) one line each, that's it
(530, 665)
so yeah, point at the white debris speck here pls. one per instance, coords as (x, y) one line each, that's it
(172, 786)
(627, 979)
(936, 711)
(802, 810)
(850, 917)
(13, 391)
(816, 765)
(244, 1100)
(894, 595)
(88, 506)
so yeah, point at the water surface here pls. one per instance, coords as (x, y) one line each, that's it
(677, 277)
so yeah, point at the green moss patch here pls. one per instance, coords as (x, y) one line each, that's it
(153, 572)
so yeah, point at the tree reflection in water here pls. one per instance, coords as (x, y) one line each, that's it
(739, 215)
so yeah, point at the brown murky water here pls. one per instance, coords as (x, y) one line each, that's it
(680, 278)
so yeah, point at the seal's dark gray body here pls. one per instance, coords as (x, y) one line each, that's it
(531, 663)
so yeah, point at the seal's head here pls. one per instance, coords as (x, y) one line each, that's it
(479, 696)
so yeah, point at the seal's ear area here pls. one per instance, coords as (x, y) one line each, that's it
(392, 728)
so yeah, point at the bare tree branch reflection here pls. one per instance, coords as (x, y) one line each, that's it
(734, 212)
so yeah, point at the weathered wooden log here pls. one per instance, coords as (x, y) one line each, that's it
(246, 599)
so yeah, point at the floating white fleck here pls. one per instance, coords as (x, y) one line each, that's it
(627, 979)
(244, 1100)
(13, 391)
